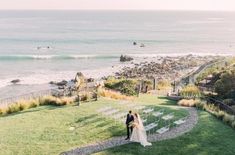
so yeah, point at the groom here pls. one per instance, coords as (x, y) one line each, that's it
(129, 119)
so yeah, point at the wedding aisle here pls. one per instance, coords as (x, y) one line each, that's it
(179, 130)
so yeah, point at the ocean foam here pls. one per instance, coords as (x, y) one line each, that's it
(35, 57)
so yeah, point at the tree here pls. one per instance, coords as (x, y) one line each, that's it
(225, 86)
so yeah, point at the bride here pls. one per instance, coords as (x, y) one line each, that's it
(139, 134)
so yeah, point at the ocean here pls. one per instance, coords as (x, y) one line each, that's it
(42, 46)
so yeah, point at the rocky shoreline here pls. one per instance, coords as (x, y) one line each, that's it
(158, 67)
(167, 68)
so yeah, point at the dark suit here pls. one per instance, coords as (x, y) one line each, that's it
(129, 118)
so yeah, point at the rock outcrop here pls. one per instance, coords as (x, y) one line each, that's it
(15, 81)
(125, 58)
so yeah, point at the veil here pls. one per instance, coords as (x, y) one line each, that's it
(141, 125)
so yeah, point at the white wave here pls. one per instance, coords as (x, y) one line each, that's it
(42, 56)
(69, 56)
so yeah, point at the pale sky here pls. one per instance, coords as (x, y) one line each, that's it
(225, 5)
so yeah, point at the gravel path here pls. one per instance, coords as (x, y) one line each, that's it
(117, 141)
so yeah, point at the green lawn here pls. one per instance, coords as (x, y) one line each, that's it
(209, 137)
(45, 130)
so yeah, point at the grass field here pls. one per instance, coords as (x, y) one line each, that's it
(45, 130)
(209, 137)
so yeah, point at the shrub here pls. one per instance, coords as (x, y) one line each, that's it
(111, 82)
(13, 108)
(220, 114)
(228, 102)
(125, 86)
(224, 86)
(67, 100)
(85, 96)
(233, 124)
(163, 84)
(46, 100)
(113, 95)
(23, 106)
(146, 85)
(188, 103)
(51, 100)
(2, 111)
(233, 107)
(200, 104)
(33, 103)
(228, 118)
(190, 91)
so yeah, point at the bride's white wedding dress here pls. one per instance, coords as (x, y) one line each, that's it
(139, 134)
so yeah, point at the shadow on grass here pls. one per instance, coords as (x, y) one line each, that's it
(21, 112)
(113, 130)
(86, 118)
(167, 101)
(33, 109)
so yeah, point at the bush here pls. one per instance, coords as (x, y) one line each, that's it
(13, 108)
(67, 100)
(85, 96)
(23, 106)
(200, 104)
(125, 86)
(188, 103)
(233, 124)
(190, 91)
(50, 100)
(228, 118)
(163, 84)
(224, 86)
(33, 103)
(228, 102)
(222, 115)
(2, 111)
(46, 100)
(113, 95)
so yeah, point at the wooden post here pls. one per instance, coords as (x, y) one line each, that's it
(154, 84)
(78, 100)
(174, 85)
(138, 91)
(141, 82)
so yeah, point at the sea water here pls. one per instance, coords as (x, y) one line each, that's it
(42, 46)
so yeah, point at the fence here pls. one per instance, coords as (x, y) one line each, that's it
(33, 95)
(220, 104)
(191, 77)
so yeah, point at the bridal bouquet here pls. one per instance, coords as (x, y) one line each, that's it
(131, 124)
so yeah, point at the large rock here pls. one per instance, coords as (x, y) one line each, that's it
(15, 81)
(90, 80)
(79, 80)
(125, 58)
(62, 83)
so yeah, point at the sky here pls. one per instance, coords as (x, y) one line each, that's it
(220, 5)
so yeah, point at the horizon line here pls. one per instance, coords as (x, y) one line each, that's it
(179, 10)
